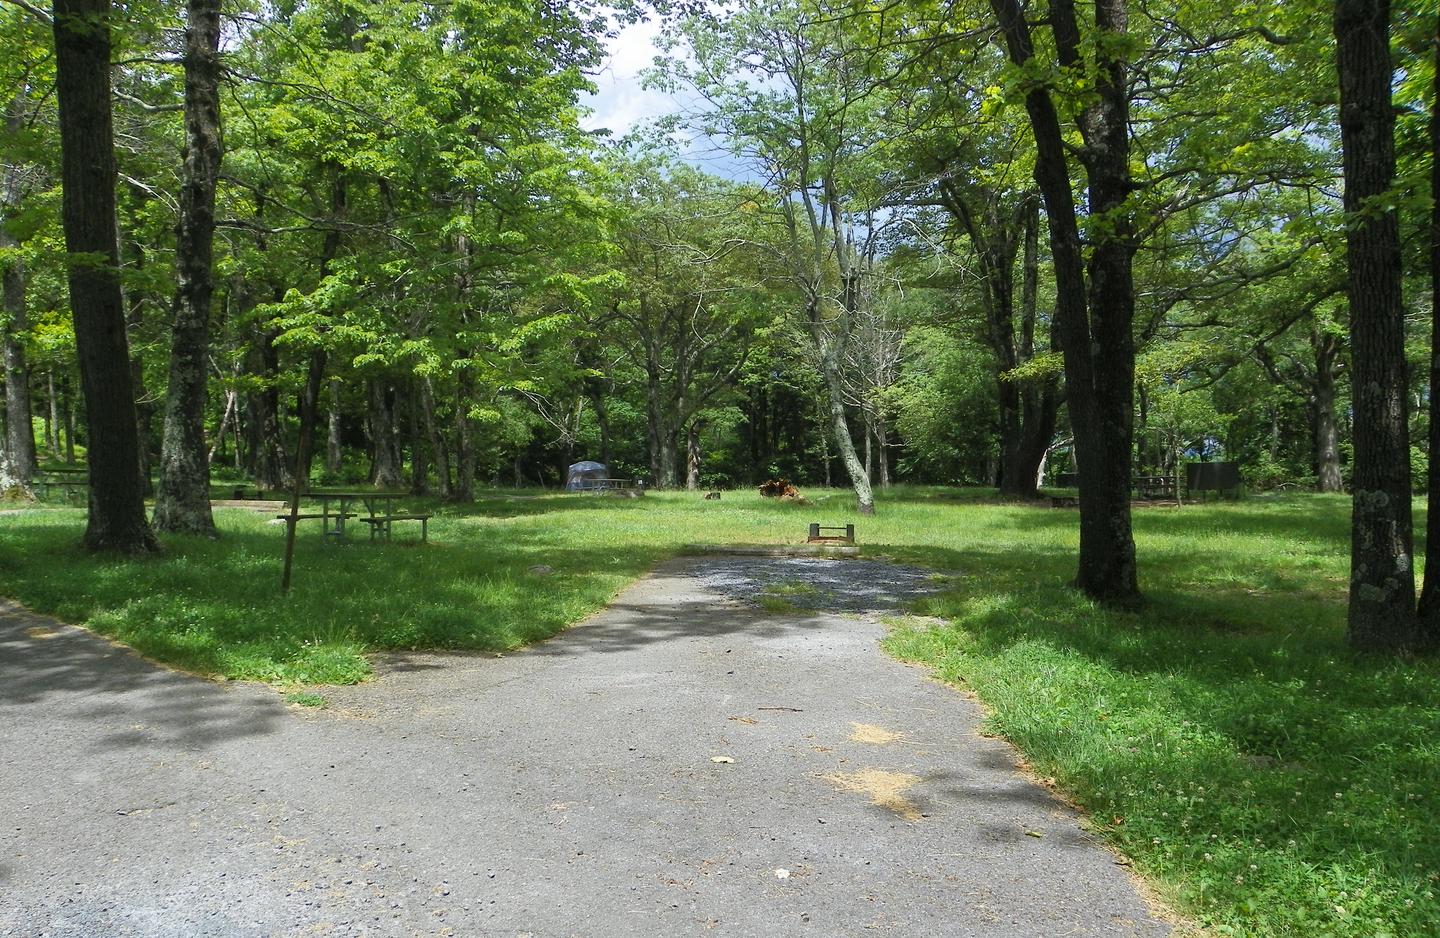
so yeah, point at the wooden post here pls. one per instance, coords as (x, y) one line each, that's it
(302, 460)
(815, 531)
(850, 533)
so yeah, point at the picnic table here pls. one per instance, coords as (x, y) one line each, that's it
(1154, 486)
(609, 486)
(336, 508)
(69, 481)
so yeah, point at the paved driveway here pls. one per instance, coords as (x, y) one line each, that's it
(685, 763)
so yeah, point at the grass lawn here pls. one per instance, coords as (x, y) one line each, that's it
(1222, 737)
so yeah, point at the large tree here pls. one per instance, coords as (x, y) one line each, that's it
(1382, 576)
(182, 501)
(82, 66)
(1095, 295)
(801, 110)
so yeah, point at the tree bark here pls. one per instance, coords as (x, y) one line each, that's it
(839, 424)
(692, 455)
(82, 65)
(182, 501)
(12, 484)
(333, 454)
(385, 467)
(1382, 614)
(1326, 428)
(464, 490)
(267, 449)
(437, 439)
(52, 415)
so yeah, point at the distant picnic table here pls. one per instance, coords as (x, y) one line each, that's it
(70, 481)
(380, 513)
(610, 486)
(1154, 486)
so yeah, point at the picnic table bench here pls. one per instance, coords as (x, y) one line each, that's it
(629, 487)
(68, 481)
(380, 513)
(1154, 486)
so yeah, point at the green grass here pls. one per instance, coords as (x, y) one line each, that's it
(1268, 781)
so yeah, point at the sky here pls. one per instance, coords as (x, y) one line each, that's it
(622, 103)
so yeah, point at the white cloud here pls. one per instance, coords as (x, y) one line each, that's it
(621, 101)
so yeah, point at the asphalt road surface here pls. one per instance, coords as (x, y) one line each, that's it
(684, 763)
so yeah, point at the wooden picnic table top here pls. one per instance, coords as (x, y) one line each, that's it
(345, 498)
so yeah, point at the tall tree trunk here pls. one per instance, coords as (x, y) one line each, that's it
(144, 406)
(182, 501)
(839, 424)
(333, 455)
(1326, 429)
(52, 415)
(602, 420)
(419, 463)
(882, 446)
(654, 424)
(13, 485)
(385, 469)
(268, 466)
(464, 490)
(19, 423)
(1094, 326)
(868, 431)
(825, 449)
(1039, 400)
(1382, 578)
(116, 519)
(692, 455)
(1430, 593)
(67, 409)
(226, 417)
(437, 439)
(309, 410)
(669, 458)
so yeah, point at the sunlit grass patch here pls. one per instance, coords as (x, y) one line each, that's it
(1222, 736)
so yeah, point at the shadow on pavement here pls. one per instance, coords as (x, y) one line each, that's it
(80, 676)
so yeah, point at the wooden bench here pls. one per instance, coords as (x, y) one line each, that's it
(380, 525)
(325, 517)
(845, 536)
(1154, 487)
(68, 487)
